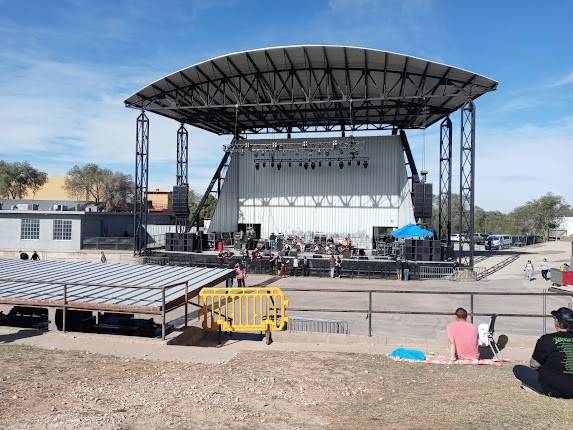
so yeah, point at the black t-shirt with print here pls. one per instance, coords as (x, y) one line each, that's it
(554, 352)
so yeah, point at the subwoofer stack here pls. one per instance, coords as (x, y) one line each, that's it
(181, 242)
(422, 250)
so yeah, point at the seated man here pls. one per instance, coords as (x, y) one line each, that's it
(463, 337)
(551, 371)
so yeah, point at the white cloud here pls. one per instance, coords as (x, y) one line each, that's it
(564, 80)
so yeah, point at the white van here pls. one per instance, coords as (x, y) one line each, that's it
(498, 241)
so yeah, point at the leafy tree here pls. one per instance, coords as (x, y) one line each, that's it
(536, 217)
(118, 191)
(87, 182)
(19, 178)
(208, 208)
(114, 191)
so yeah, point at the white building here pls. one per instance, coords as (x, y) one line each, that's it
(351, 201)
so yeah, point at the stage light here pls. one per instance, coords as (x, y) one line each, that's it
(289, 164)
(305, 165)
(349, 162)
(320, 164)
(264, 164)
(300, 164)
(330, 164)
(257, 166)
(341, 164)
(272, 164)
(279, 165)
(312, 165)
(358, 162)
(365, 164)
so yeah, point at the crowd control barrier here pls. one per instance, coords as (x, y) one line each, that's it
(244, 310)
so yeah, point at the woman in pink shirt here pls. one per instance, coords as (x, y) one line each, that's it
(240, 274)
(463, 337)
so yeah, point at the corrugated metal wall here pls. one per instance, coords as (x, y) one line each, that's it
(331, 200)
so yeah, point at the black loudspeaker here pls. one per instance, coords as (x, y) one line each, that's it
(422, 200)
(180, 200)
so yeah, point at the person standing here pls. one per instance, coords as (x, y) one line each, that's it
(405, 270)
(544, 266)
(294, 267)
(338, 267)
(103, 258)
(35, 256)
(399, 269)
(550, 370)
(273, 240)
(463, 337)
(305, 266)
(529, 270)
(332, 264)
(240, 274)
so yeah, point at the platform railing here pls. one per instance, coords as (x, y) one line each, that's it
(67, 287)
(370, 311)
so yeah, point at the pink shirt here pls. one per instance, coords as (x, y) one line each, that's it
(240, 273)
(465, 338)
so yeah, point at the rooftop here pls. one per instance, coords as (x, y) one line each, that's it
(311, 88)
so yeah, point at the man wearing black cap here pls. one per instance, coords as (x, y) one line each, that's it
(551, 371)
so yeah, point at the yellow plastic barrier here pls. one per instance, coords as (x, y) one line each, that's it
(244, 309)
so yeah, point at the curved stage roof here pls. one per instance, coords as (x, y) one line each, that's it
(311, 88)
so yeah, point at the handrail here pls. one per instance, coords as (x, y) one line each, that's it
(369, 311)
(475, 293)
(88, 284)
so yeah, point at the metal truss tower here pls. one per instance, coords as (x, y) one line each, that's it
(445, 193)
(182, 173)
(467, 182)
(140, 208)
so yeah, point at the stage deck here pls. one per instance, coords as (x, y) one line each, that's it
(109, 287)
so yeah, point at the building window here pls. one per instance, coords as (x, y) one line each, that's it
(62, 229)
(30, 228)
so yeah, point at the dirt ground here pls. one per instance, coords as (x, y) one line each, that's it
(43, 389)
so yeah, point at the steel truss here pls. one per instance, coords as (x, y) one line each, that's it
(445, 193)
(140, 208)
(218, 178)
(285, 96)
(467, 182)
(181, 222)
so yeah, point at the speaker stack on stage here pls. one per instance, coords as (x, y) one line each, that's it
(422, 250)
(181, 242)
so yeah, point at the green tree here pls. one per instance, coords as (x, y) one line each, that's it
(118, 191)
(114, 191)
(208, 208)
(19, 178)
(87, 182)
(537, 216)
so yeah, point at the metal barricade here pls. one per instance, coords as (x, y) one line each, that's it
(436, 272)
(244, 309)
(316, 325)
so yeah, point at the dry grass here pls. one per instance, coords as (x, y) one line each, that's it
(65, 390)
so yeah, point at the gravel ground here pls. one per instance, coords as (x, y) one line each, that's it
(43, 389)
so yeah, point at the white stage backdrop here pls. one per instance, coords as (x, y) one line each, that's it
(338, 202)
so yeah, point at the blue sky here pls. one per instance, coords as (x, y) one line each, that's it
(66, 67)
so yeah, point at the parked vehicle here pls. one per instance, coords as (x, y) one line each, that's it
(498, 241)
(457, 238)
(479, 238)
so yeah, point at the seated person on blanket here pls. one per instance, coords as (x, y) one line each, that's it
(463, 337)
(551, 371)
